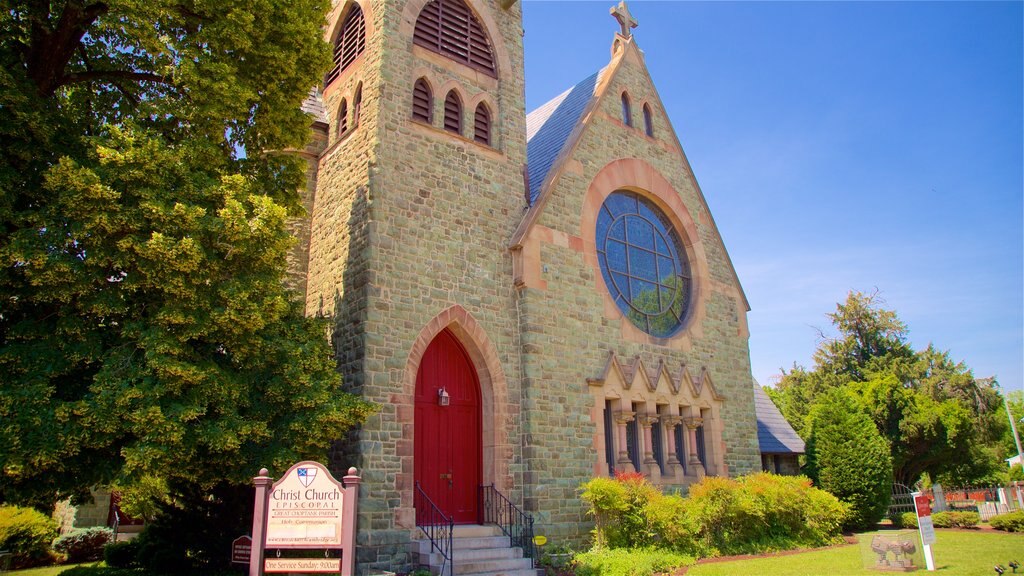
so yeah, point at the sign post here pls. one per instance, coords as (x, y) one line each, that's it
(923, 509)
(306, 509)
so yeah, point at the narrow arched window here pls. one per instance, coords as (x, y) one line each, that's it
(343, 117)
(648, 121)
(453, 112)
(350, 43)
(357, 105)
(482, 124)
(627, 114)
(422, 102)
(450, 28)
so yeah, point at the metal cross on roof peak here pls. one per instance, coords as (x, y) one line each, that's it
(626, 20)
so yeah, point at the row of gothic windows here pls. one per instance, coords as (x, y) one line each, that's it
(423, 111)
(627, 115)
(664, 455)
(447, 27)
(346, 123)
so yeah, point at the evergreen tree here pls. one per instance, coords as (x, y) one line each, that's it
(847, 457)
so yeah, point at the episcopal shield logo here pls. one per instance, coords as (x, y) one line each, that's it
(306, 475)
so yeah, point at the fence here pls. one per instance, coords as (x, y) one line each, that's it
(987, 501)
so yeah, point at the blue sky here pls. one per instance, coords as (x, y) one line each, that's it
(841, 146)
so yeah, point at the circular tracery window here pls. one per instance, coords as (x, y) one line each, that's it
(644, 263)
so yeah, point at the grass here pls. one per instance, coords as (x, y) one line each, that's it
(956, 553)
(46, 570)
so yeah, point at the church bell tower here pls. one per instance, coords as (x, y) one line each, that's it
(418, 186)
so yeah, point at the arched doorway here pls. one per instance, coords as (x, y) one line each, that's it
(448, 456)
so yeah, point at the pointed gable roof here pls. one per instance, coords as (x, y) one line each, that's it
(548, 128)
(774, 434)
(314, 105)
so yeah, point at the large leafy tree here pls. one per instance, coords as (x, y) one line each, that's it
(937, 418)
(144, 327)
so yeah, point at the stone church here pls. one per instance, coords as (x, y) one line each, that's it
(532, 299)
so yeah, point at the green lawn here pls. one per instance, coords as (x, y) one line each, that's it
(955, 553)
(46, 571)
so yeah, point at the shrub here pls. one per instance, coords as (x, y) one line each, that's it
(847, 457)
(908, 520)
(122, 554)
(756, 513)
(955, 519)
(84, 544)
(1010, 522)
(27, 534)
(628, 562)
(762, 512)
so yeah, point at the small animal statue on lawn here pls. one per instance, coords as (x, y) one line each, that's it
(901, 551)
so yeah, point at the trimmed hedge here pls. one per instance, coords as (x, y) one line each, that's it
(956, 519)
(83, 544)
(1009, 522)
(27, 534)
(941, 520)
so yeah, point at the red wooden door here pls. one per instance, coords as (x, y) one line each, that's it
(448, 438)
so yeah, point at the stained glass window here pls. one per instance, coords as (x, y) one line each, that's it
(644, 263)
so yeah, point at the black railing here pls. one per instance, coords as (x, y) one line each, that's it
(437, 527)
(495, 508)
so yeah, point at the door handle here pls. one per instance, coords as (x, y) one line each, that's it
(446, 476)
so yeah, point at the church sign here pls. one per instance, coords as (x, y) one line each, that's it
(306, 509)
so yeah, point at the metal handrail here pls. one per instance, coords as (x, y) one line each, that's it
(437, 527)
(495, 508)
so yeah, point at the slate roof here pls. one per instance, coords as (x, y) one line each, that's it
(548, 129)
(774, 434)
(314, 105)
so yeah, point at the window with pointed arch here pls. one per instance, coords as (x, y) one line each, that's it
(627, 113)
(350, 43)
(643, 262)
(357, 105)
(453, 112)
(648, 121)
(482, 124)
(450, 28)
(422, 102)
(343, 117)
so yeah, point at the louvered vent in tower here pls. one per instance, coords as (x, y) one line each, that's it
(350, 43)
(450, 28)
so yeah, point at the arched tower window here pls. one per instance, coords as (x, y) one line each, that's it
(343, 117)
(357, 104)
(453, 112)
(422, 102)
(450, 28)
(648, 121)
(482, 124)
(350, 42)
(627, 114)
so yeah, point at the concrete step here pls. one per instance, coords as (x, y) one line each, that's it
(495, 566)
(475, 530)
(423, 545)
(473, 555)
(477, 551)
